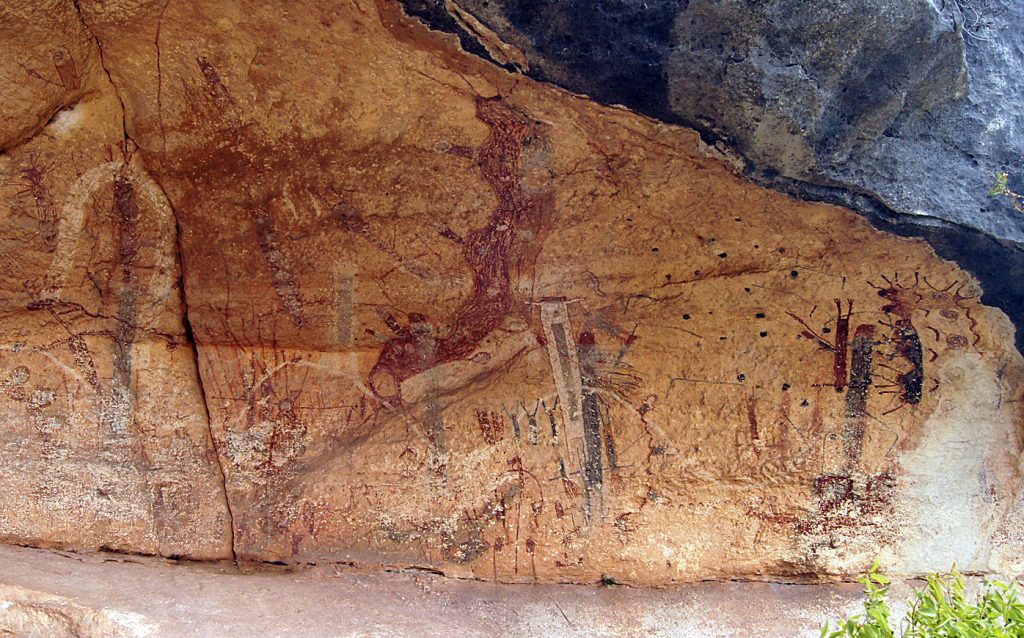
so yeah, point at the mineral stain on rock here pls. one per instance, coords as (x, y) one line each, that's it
(493, 253)
(857, 397)
(444, 316)
(898, 109)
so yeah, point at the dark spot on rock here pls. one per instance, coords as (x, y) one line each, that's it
(640, 54)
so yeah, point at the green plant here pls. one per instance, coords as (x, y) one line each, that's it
(940, 610)
(1000, 189)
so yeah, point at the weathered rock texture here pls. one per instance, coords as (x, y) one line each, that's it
(46, 595)
(446, 316)
(902, 109)
(105, 435)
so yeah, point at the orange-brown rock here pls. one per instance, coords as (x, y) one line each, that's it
(103, 428)
(450, 317)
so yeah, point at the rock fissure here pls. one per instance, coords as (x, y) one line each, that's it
(122, 394)
(189, 339)
(105, 322)
(219, 451)
(910, 208)
(443, 317)
(179, 257)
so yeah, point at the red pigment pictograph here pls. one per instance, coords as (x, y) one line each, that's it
(489, 252)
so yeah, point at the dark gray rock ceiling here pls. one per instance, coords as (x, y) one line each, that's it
(901, 109)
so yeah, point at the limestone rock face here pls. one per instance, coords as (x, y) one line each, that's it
(793, 85)
(48, 595)
(49, 57)
(901, 109)
(105, 434)
(449, 317)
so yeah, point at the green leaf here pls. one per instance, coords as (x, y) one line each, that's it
(940, 609)
(999, 188)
